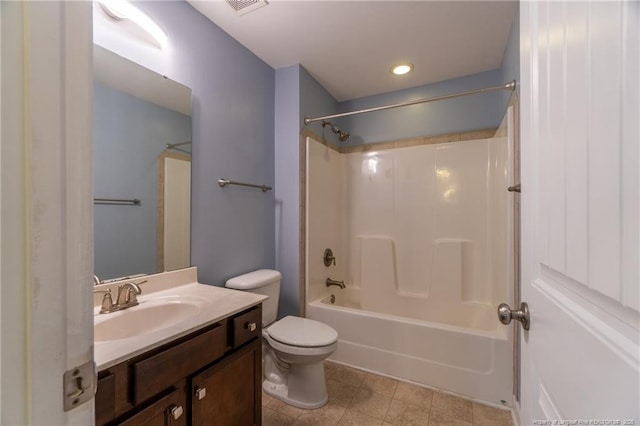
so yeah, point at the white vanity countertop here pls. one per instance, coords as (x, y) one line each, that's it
(218, 303)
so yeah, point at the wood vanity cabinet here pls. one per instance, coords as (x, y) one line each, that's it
(228, 390)
(210, 377)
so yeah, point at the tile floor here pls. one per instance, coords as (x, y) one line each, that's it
(360, 398)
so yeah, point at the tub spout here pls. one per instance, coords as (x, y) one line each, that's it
(331, 282)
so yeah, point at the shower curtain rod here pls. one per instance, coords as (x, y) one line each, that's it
(507, 86)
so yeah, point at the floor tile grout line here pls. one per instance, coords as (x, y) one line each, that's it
(365, 383)
(434, 390)
(409, 382)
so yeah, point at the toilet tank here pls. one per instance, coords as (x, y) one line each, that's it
(263, 281)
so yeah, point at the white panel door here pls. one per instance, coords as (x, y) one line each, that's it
(47, 250)
(580, 190)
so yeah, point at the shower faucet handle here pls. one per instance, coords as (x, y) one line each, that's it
(328, 257)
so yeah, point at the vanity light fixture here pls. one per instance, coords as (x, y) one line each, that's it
(120, 10)
(402, 69)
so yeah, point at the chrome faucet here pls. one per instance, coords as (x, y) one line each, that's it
(127, 294)
(127, 297)
(331, 282)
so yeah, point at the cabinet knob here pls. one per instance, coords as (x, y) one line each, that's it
(176, 411)
(251, 326)
(201, 392)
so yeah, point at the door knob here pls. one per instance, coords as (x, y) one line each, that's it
(506, 314)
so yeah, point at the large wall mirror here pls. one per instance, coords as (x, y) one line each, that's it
(142, 169)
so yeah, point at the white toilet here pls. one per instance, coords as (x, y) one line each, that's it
(293, 347)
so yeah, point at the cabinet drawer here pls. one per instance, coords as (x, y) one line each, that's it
(156, 373)
(247, 326)
(170, 410)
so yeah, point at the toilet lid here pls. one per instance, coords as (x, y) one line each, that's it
(303, 332)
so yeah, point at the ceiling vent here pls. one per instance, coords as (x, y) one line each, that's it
(243, 7)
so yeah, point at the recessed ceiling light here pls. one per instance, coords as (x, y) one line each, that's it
(402, 69)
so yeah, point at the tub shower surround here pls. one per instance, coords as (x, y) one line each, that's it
(422, 231)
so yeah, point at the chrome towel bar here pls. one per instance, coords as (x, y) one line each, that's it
(117, 201)
(224, 182)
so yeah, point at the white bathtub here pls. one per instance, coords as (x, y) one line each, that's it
(461, 348)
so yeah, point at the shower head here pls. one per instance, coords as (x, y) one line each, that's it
(342, 135)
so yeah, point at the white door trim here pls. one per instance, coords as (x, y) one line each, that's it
(47, 273)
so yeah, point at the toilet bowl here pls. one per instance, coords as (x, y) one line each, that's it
(293, 353)
(293, 347)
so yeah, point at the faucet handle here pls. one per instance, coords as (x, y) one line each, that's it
(107, 301)
(131, 296)
(328, 257)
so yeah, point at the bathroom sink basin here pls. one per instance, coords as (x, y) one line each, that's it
(149, 316)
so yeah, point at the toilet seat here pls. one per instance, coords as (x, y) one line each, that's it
(312, 354)
(302, 332)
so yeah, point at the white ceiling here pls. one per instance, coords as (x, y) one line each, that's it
(349, 46)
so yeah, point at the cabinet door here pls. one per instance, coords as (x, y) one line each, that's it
(105, 399)
(168, 411)
(228, 393)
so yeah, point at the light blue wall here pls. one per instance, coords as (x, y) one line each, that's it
(315, 101)
(233, 137)
(297, 94)
(449, 116)
(511, 62)
(128, 135)
(287, 193)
